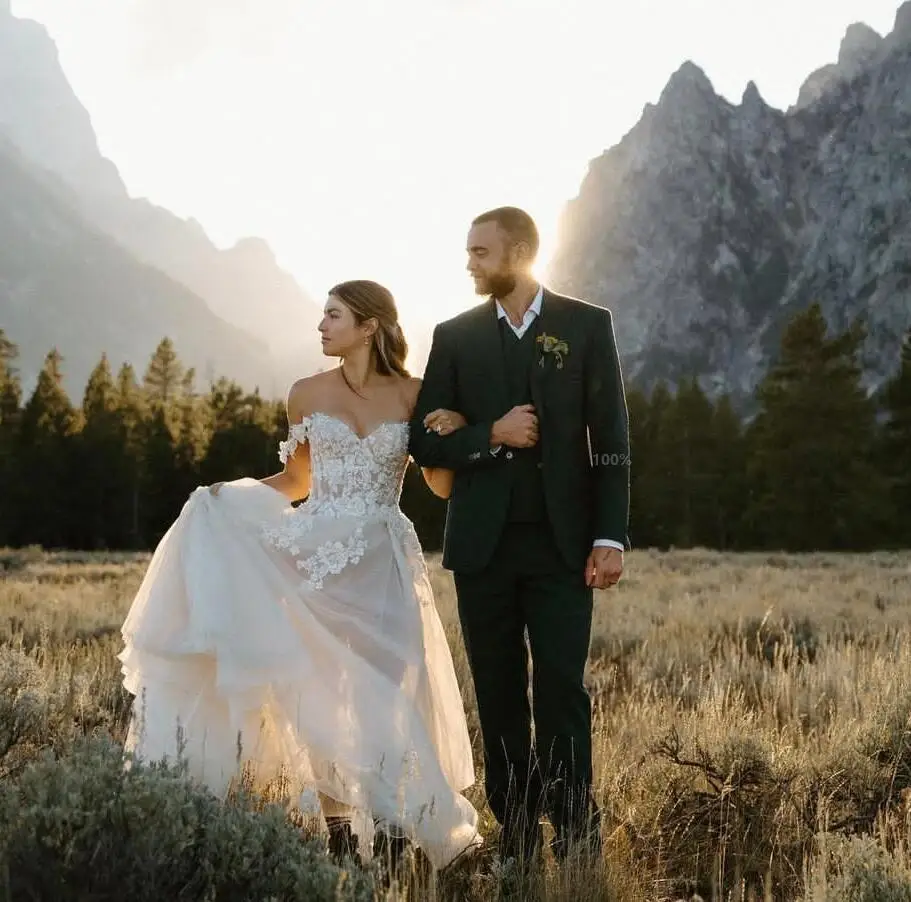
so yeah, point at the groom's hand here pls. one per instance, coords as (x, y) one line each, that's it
(518, 428)
(603, 567)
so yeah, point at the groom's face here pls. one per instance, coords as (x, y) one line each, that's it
(491, 262)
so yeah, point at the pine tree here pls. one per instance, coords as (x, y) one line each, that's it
(729, 493)
(10, 412)
(132, 411)
(655, 472)
(104, 477)
(637, 404)
(46, 461)
(687, 468)
(162, 489)
(158, 503)
(10, 387)
(811, 470)
(193, 435)
(164, 377)
(244, 438)
(226, 401)
(895, 453)
(694, 466)
(100, 399)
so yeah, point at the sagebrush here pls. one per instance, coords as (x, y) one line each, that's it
(751, 732)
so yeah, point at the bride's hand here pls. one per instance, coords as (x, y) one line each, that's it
(214, 489)
(443, 421)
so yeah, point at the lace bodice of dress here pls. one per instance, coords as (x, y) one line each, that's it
(352, 480)
(350, 474)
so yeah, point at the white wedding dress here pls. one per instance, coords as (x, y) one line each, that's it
(305, 642)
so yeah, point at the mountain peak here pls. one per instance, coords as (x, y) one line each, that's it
(859, 49)
(254, 250)
(687, 85)
(751, 96)
(903, 20)
(859, 44)
(690, 74)
(41, 112)
(252, 244)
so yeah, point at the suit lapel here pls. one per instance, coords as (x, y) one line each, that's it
(490, 352)
(540, 375)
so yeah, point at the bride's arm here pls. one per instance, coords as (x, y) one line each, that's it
(438, 479)
(294, 481)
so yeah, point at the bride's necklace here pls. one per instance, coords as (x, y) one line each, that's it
(342, 369)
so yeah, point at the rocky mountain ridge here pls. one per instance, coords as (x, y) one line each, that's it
(711, 223)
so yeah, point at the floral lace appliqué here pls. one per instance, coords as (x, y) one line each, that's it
(287, 536)
(297, 435)
(351, 477)
(332, 557)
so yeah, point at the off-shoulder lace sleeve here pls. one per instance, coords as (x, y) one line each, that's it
(297, 435)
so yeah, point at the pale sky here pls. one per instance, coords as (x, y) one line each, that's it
(359, 137)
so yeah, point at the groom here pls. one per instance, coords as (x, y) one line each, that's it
(536, 520)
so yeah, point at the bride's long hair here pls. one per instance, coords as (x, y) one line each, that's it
(366, 300)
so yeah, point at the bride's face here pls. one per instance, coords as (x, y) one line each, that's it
(339, 332)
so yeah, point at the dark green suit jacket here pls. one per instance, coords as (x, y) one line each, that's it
(584, 430)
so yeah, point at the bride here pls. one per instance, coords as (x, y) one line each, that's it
(304, 641)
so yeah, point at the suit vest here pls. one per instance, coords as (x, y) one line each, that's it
(526, 503)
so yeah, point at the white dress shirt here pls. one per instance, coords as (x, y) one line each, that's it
(534, 310)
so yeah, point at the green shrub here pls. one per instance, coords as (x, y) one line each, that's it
(858, 869)
(23, 706)
(86, 827)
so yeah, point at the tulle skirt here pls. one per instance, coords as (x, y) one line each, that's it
(341, 682)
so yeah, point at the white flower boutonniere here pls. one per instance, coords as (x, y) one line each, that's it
(550, 344)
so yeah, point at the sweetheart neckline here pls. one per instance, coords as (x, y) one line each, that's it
(352, 430)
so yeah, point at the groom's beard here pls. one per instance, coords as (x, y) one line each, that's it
(500, 285)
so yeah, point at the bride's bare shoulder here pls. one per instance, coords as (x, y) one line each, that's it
(303, 393)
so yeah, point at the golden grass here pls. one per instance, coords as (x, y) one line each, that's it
(751, 715)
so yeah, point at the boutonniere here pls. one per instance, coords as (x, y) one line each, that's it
(550, 344)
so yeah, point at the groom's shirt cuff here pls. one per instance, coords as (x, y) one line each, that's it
(608, 543)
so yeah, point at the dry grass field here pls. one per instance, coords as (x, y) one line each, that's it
(752, 718)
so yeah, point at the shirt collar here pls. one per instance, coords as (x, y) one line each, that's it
(534, 307)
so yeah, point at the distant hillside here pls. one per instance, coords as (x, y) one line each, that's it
(67, 284)
(43, 118)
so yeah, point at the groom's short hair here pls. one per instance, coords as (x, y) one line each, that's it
(516, 223)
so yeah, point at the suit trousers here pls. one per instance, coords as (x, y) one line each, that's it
(527, 589)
